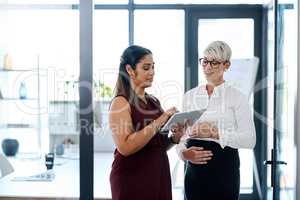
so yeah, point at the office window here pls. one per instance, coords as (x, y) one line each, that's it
(43, 49)
(47, 39)
(110, 39)
(162, 31)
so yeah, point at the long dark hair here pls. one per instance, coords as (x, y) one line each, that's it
(131, 56)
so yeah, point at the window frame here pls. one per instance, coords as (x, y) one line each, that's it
(191, 59)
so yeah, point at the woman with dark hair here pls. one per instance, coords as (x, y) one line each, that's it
(140, 170)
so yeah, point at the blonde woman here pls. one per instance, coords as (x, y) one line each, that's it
(226, 126)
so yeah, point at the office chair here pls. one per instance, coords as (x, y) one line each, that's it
(5, 166)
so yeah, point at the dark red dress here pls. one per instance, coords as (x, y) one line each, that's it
(144, 175)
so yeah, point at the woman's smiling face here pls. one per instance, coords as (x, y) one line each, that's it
(213, 68)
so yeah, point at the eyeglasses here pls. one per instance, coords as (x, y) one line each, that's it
(213, 63)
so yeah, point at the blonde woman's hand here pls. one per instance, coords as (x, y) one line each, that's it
(197, 155)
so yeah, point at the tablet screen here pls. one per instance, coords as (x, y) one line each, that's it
(181, 117)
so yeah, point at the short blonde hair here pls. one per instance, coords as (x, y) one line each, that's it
(219, 50)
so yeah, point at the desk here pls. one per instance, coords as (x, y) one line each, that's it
(66, 182)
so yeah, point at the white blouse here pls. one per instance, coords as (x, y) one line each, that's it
(228, 109)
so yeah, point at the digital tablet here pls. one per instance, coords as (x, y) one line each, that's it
(182, 117)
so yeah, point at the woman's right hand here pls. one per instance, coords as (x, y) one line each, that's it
(166, 115)
(197, 155)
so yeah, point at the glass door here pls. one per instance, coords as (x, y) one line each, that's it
(283, 70)
(239, 27)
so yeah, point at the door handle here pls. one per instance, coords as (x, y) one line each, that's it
(271, 162)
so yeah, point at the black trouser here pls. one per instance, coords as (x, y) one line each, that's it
(219, 179)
